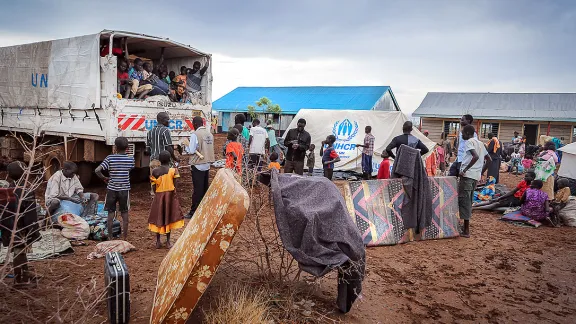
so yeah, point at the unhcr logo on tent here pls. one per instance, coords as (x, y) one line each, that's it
(345, 130)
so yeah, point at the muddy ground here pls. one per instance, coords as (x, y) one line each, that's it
(503, 274)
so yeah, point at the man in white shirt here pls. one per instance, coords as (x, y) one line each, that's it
(258, 143)
(471, 171)
(455, 167)
(65, 185)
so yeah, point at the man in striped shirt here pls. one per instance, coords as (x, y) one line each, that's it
(118, 166)
(158, 140)
(367, 152)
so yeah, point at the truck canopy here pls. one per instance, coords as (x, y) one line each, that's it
(66, 73)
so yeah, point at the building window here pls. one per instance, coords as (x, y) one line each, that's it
(489, 128)
(451, 128)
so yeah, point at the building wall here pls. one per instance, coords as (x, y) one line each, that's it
(507, 129)
(561, 131)
(434, 126)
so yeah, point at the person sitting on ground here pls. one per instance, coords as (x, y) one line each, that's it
(561, 196)
(510, 199)
(180, 83)
(194, 76)
(18, 211)
(329, 156)
(118, 187)
(165, 213)
(407, 139)
(65, 185)
(384, 169)
(136, 73)
(535, 202)
(124, 83)
(274, 164)
(311, 159)
(234, 151)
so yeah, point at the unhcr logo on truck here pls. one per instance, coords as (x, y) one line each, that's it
(345, 131)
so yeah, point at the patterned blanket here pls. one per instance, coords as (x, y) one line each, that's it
(375, 206)
(51, 244)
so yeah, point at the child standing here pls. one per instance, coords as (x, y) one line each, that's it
(329, 156)
(384, 170)
(27, 230)
(165, 213)
(274, 164)
(234, 151)
(535, 202)
(118, 166)
(515, 161)
(471, 171)
(311, 159)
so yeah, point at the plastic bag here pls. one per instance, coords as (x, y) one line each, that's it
(568, 214)
(73, 227)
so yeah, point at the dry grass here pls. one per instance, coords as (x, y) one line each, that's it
(239, 304)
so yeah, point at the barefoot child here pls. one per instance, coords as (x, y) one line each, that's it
(311, 159)
(27, 230)
(118, 166)
(471, 171)
(329, 156)
(165, 213)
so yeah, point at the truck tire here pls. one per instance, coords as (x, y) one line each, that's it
(85, 173)
(53, 162)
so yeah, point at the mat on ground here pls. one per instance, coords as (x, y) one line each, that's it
(51, 244)
(375, 206)
(188, 268)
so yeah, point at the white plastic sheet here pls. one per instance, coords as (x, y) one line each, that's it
(385, 126)
(52, 74)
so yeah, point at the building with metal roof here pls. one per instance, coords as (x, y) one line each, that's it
(531, 114)
(292, 99)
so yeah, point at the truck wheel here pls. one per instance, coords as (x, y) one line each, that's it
(85, 173)
(53, 162)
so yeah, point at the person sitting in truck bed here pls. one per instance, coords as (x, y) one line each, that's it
(64, 185)
(136, 73)
(180, 83)
(123, 79)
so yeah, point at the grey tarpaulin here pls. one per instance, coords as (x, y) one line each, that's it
(317, 230)
(417, 205)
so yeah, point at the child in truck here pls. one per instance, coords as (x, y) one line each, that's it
(136, 73)
(118, 166)
(124, 84)
(180, 83)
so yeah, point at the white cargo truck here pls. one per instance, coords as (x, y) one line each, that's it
(67, 90)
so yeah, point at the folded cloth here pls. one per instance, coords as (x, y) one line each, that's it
(317, 230)
(417, 205)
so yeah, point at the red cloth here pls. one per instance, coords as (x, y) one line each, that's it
(236, 148)
(522, 186)
(115, 51)
(123, 76)
(384, 170)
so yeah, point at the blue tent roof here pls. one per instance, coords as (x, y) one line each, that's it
(292, 99)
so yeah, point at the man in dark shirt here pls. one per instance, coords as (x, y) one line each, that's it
(406, 139)
(297, 141)
(158, 139)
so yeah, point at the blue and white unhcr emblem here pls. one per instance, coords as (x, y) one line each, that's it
(344, 130)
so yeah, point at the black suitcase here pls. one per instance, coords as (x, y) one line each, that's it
(117, 282)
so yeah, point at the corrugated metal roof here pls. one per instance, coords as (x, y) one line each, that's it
(292, 99)
(511, 106)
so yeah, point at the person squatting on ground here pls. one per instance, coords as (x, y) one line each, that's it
(367, 152)
(118, 187)
(165, 212)
(455, 167)
(65, 185)
(510, 199)
(201, 149)
(19, 226)
(471, 170)
(157, 140)
(297, 141)
(311, 159)
(535, 202)
(329, 156)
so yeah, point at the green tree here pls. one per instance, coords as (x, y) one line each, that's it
(267, 107)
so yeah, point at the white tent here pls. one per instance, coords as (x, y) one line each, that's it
(568, 165)
(348, 127)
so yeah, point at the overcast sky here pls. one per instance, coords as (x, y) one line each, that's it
(414, 46)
